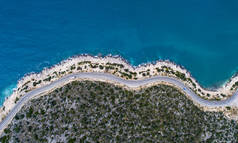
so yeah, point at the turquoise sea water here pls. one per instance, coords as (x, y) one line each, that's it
(201, 35)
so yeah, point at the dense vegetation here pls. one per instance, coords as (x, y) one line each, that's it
(100, 112)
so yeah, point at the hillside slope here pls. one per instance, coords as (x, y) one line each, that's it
(102, 112)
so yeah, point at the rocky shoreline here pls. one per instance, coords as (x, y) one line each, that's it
(120, 67)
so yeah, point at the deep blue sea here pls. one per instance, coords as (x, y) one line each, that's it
(201, 35)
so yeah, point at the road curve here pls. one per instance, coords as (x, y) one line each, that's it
(109, 77)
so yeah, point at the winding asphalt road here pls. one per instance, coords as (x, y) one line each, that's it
(109, 77)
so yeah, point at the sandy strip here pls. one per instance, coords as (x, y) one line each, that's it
(71, 66)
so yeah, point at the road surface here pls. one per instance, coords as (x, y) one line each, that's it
(109, 77)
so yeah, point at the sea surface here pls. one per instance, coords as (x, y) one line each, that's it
(201, 35)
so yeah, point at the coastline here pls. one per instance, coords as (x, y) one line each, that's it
(117, 66)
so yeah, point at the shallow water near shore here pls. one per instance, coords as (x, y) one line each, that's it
(200, 35)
